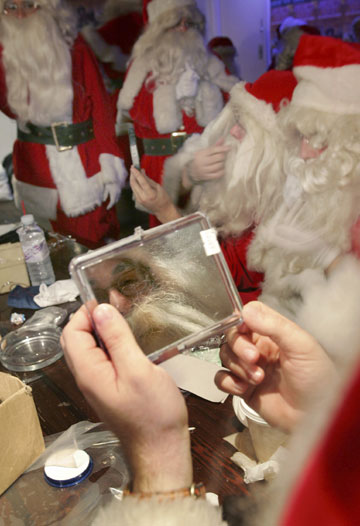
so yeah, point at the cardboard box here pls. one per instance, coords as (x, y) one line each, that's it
(21, 439)
(12, 267)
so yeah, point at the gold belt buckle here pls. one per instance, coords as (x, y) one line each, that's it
(59, 148)
(175, 146)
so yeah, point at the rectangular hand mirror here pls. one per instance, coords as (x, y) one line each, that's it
(170, 282)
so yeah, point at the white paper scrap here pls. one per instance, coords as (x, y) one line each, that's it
(195, 376)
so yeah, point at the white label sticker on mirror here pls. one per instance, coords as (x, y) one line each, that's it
(210, 242)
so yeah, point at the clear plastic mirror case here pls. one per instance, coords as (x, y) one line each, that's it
(170, 282)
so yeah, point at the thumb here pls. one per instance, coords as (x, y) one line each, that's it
(117, 337)
(220, 141)
(290, 338)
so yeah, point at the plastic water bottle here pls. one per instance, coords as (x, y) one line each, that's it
(36, 251)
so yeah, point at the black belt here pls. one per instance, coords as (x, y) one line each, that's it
(64, 135)
(166, 145)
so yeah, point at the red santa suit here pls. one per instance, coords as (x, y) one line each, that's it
(160, 122)
(68, 187)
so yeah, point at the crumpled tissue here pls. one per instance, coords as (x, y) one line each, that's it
(59, 292)
(246, 458)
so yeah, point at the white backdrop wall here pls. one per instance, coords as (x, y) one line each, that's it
(247, 23)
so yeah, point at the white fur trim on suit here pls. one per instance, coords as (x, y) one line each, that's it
(133, 82)
(209, 102)
(113, 177)
(167, 112)
(242, 101)
(174, 165)
(150, 512)
(41, 202)
(332, 90)
(217, 73)
(113, 169)
(158, 7)
(78, 194)
(331, 308)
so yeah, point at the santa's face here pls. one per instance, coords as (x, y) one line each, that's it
(20, 8)
(321, 148)
(308, 151)
(183, 25)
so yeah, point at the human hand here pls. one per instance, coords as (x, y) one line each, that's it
(137, 399)
(207, 164)
(111, 191)
(274, 365)
(152, 196)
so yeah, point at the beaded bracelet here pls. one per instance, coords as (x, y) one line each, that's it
(195, 491)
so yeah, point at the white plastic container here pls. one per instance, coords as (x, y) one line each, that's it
(36, 251)
(265, 438)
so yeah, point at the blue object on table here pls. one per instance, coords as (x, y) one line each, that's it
(23, 297)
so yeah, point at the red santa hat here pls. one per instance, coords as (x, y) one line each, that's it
(152, 9)
(221, 43)
(328, 74)
(262, 98)
(273, 87)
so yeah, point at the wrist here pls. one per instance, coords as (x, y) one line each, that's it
(163, 466)
(168, 213)
(195, 491)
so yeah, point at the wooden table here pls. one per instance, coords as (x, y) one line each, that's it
(60, 404)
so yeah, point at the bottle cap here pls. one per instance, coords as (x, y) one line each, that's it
(27, 219)
(68, 470)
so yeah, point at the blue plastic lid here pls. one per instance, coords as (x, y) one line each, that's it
(64, 476)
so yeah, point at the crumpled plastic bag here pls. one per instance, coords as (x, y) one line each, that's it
(59, 292)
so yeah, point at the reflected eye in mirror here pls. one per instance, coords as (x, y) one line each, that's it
(120, 302)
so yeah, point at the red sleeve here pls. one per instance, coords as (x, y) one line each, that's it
(123, 31)
(4, 107)
(247, 281)
(91, 98)
(142, 113)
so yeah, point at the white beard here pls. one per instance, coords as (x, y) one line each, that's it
(304, 236)
(37, 64)
(172, 51)
(246, 194)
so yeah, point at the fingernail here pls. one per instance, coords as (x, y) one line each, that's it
(256, 375)
(103, 313)
(250, 354)
(240, 386)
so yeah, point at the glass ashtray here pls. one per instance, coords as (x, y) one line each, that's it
(34, 345)
(35, 350)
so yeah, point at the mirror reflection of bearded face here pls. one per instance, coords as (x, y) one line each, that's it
(37, 66)
(159, 308)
